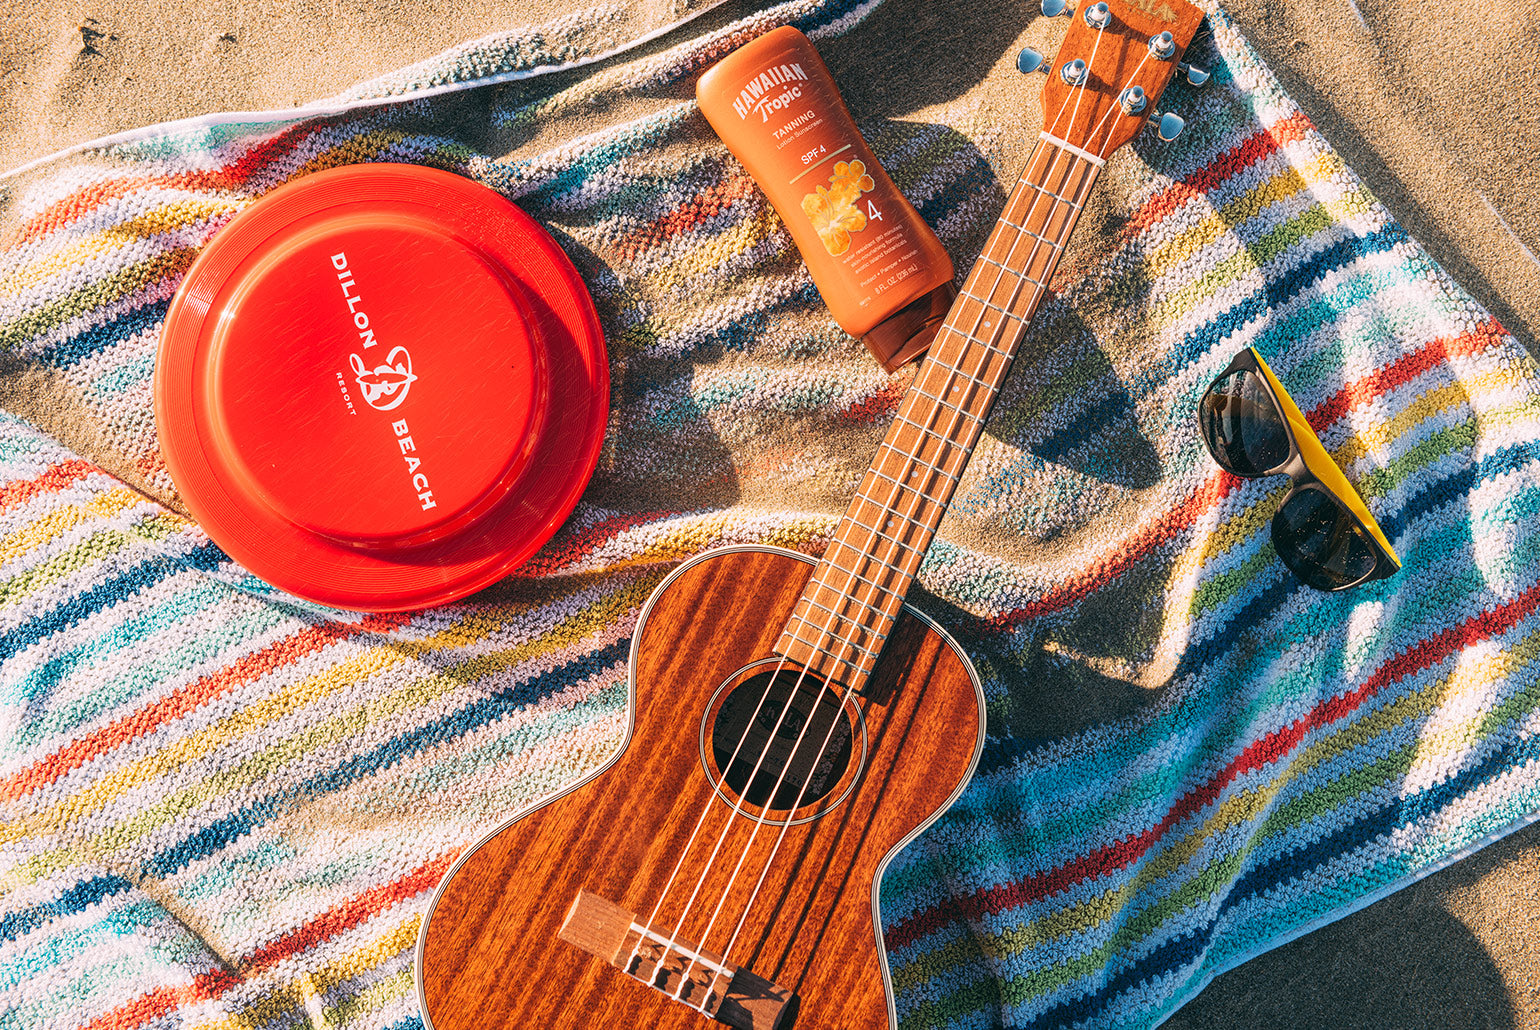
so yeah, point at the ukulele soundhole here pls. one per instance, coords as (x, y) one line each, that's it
(793, 747)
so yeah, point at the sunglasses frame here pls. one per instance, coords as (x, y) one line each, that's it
(1308, 466)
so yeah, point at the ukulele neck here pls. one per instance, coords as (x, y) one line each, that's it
(854, 595)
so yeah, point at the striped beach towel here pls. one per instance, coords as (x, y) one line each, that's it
(226, 807)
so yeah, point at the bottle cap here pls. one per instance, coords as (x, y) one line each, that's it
(381, 387)
(906, 334)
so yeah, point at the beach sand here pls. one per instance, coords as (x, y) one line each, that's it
(1431, 104)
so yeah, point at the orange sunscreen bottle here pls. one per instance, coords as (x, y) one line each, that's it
(883, 273)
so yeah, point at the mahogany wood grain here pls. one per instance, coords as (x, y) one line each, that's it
(489, 953)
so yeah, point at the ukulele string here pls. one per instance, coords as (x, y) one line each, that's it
(673, 937)
(851, 575)
(828, 629)
(711, 797)
(992, 384)
(1114, 108)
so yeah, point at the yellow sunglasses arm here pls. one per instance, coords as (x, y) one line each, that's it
(1318, 461)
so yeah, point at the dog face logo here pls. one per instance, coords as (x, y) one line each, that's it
(385, 385)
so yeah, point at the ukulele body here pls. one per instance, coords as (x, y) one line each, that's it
(491, 952)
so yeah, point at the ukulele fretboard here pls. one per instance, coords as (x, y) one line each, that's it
(856, 592)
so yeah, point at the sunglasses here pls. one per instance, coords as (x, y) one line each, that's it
(1323, 530)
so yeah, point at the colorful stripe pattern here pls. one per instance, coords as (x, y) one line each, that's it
(224, 807)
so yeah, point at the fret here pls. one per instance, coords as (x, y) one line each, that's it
(970, 309)
(957, 384)
(947, 436)
(860, 584)
(828, 630)
(1057, 174)
(983, 304)
(846, 590)
(1020, 253)
(1003, 311)
(976, 288)
(942, 450)
(878, 533)
(933, 446)
(856, 575)
(967, 394)
(1033, 263)
(899, 567)
(892, 513)
(913, 465)
(989, 346)
(888, 592)
(982, 364)
(862, 556)
(857, 663)
(883, 476)
(836, 616)
(906, 420)
(832, 626)
(1024, 231)
(1022, 197)
(1005, 291)
(1045, 222)
(920, 391)
(1057, 219)
(1050, 210)
(997, 248)
(900, 549)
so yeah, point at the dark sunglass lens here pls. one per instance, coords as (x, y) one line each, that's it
(1242, 426)
(1320, 542)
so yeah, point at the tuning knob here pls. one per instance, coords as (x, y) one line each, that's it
(1098, 16)
(1163, 46)
(1132, 100)
(1195, 76)
(1029, 61)
(1168, 126)
(1073, 72)
(1058, 8)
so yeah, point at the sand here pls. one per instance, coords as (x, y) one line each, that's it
(1433, 105)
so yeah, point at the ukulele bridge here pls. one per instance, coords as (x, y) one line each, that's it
(697, 978)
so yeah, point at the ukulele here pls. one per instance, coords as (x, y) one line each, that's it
(793, 725)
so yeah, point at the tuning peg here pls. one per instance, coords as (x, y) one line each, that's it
(1163, 46)
(1029, 61)
(1073, 72)
(1058, 8)
(1195, 76)
(1132, 100)
(1098, 16)
(1168, 126)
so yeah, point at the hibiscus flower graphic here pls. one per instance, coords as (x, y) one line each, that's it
(850, 181)
(833, 211)
(834, 218)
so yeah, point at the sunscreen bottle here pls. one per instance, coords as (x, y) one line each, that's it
(883, 273)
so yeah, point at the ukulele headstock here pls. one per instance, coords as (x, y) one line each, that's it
(1112, 68)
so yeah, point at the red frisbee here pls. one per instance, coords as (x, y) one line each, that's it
(381, 387)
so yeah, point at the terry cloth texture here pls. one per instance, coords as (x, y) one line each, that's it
(225, 807)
